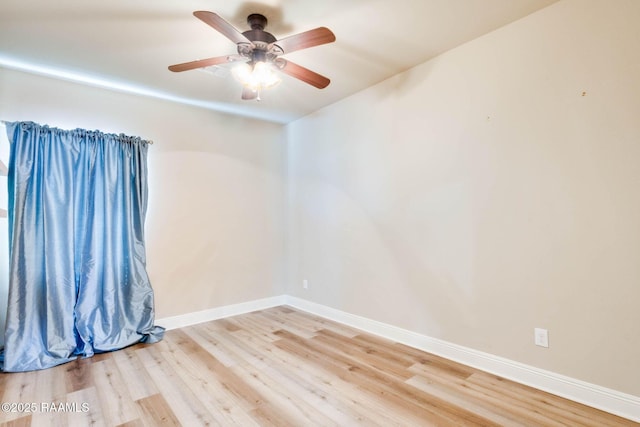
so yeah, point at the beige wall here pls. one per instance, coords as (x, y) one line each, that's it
(489, 191)
(215, 218)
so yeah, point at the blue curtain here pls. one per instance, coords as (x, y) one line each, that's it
(77, 272)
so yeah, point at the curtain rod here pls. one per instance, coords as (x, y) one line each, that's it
(148, 141)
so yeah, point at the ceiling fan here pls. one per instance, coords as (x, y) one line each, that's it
(260, 53)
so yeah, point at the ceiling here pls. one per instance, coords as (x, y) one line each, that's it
(127, 45)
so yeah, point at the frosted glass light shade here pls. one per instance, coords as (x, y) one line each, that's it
(261, 76)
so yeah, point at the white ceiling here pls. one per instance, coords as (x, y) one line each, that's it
(129, 44)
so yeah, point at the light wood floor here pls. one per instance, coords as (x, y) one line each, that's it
(279, 367)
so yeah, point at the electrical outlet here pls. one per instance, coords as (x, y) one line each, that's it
(541, 337)
(305, 284)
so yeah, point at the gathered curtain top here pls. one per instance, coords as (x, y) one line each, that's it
(94, 135)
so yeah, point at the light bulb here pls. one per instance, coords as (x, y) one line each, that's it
(261, 76)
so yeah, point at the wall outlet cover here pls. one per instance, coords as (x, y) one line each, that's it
(541, 337)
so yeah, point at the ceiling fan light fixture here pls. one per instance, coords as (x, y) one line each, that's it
(262, 50)
(256, 76)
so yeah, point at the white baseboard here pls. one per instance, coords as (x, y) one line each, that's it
(612, 401)
(194, 318)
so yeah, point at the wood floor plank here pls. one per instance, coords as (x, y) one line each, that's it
(223, 405)
(50, 389)
(478, 406)
(93, 416)
(255, 373)
(256, 328)
(298, 411)
(382, 361)
(282, 367)
(454, 374)
(138, 382)
(404, 352)
(247, 397)
(180, 399)
(283, 309)
(118, 405)
(562, 409)
(446, 366)
(207, 339)
(321, 323)
(157, 412)
(228, 324)
(19, 388)
(389, 386)
(50, 385)
(510, 406)
(18, 422)
(78, 376)
(319, 387)
(50, 417)
(351, 372)
(281, 322)
(133, 423)
(259, 371)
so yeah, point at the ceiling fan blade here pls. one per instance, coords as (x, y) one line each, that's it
(248, 94)
(217, 23)
(201, 63)
(305, 40)
(304, 74)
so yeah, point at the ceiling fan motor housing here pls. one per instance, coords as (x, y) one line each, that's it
(257, 23)
(260, 51)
